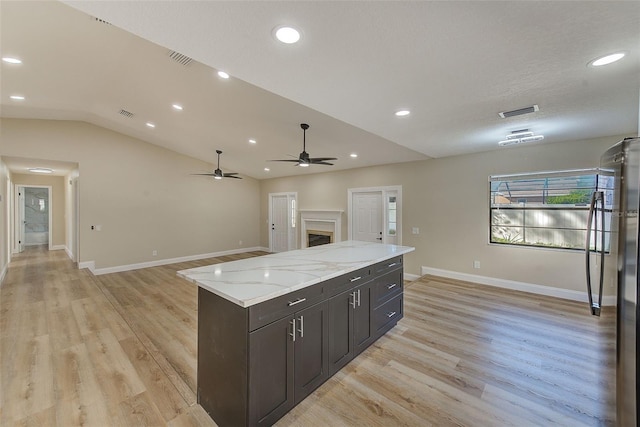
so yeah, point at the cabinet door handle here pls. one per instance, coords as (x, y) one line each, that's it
(391, 286)
(293, 329)
(298, 301)
(353, 295)
(390, 315)
(392, 264)
(301, 330)
(356, 278)
(358, 297)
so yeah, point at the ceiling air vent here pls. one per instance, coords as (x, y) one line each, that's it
(519, 112)
(126, 113)
(100, 21)
(180, 58)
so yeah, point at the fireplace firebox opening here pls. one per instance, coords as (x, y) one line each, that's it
(317, 237)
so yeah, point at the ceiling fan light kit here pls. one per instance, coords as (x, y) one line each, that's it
(303, 159)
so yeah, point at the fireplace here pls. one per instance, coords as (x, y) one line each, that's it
(318, 237)
(319, 227)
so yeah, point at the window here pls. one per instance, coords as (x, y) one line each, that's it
(548, 209)
(392, 211)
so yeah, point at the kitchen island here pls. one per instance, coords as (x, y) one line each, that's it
(272, 329)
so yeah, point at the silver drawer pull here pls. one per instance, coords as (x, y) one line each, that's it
(356, 278)
(298, 301)
(390, 315)
(391, 286)
(392, 264)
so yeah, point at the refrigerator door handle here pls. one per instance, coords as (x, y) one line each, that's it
(597, 196)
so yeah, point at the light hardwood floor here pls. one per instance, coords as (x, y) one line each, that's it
(120, 349)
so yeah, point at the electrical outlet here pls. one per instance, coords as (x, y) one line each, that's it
(154, 253)
(476, 264)
(415, 230)
(98, 228)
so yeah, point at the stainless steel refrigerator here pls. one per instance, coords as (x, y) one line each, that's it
(621, 240)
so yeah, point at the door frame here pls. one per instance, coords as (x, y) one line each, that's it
(292, 218)
(384, 191)
(20, 214)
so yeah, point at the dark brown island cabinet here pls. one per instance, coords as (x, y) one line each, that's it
(256, 363)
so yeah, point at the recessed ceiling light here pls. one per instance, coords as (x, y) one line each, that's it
(223, 75)
(267, 169)
(177, 107)
(286, 34)
(11, 60)
(252, 141)
(354, 155)
(151, 125)
(402, 113)
(17, 97)
(606, 60)
(40, 170)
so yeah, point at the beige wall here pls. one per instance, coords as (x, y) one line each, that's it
(448, 199)
(4, 218)
(142, 195)
(57, 203)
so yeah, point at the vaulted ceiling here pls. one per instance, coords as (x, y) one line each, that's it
(455, 65)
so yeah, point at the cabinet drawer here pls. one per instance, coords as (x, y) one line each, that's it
(389, 312)
(277, 308)
(348, 281)
(387, 286)
(387, 265)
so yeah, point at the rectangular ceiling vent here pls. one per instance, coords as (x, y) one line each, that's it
(180, 58)
(126, 113)
(100, 21)
(519, 112)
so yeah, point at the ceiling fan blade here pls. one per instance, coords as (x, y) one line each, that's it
(231, 176)
(204, 174)
(321, 159)
(285, 160)
(322, 163)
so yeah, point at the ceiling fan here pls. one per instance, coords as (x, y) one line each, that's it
(217, 174)
(304, 160)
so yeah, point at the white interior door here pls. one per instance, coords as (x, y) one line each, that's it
(368, 217)
(282, 219)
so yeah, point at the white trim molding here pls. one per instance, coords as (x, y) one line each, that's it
(91, 265)
(569, 294)
(3, 273)
(410, 277)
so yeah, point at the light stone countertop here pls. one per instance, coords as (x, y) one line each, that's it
(254, 280)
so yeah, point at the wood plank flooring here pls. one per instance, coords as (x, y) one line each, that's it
(120, 349)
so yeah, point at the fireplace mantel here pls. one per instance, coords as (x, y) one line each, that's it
(320, 219)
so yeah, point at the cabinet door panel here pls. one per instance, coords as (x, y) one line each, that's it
(362, 325)
(311, 350)
(340, 337)
(271, 388)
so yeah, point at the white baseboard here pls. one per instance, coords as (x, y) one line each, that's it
(517, 286)
(120, 268)
(410, 277)
(57, 248)
(3, 273)
(69, 253)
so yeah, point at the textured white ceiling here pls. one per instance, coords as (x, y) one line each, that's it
(455, 65)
